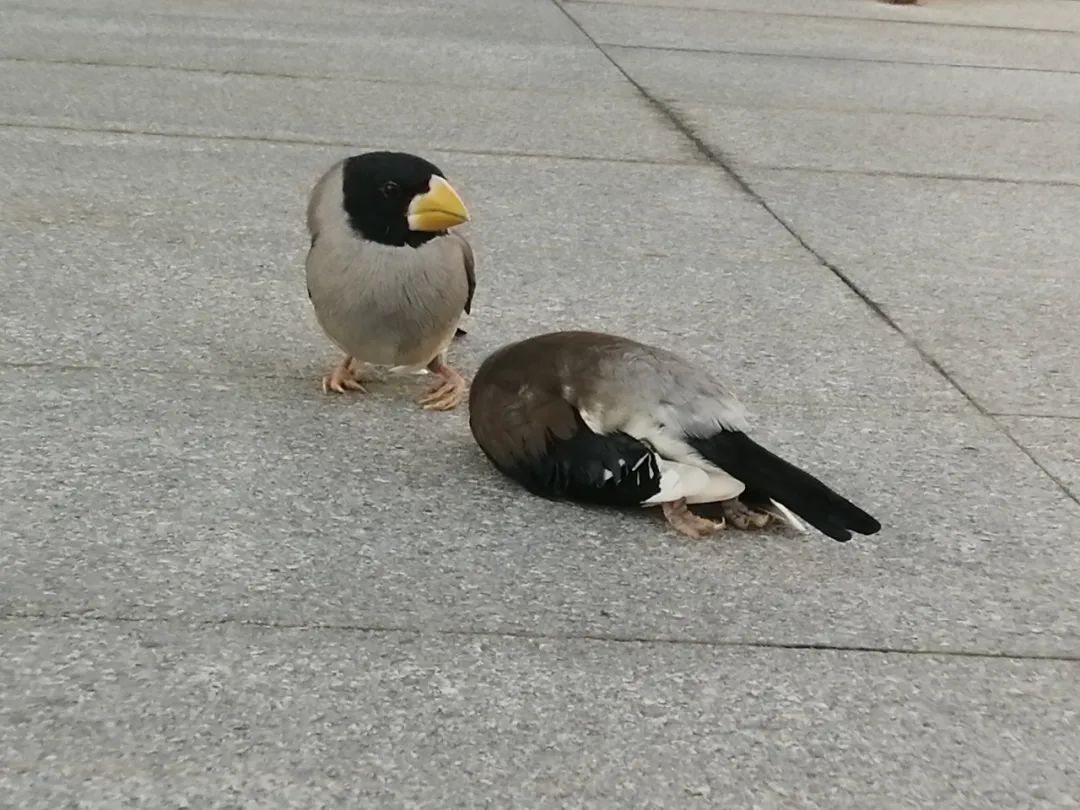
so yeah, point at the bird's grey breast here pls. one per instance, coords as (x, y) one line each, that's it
(386, 304)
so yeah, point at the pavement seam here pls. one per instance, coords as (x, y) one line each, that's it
(748, 12)
(970, 178)
(312, 141)
(801, 14)
(818, 108)
(886, 173)
(1022, 415)
(51, 368)
(555, 92)
(829, 58)
(315, 77)
(525, 635)
(713, 156)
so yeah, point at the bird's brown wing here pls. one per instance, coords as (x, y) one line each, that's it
(540, 440)
(515, 427)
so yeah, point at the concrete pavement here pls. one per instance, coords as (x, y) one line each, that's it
(224, 589)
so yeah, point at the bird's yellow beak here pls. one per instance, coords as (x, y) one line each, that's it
(438, 208)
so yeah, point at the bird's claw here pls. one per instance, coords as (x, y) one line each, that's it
(448, 394)
(342, 379)
(681, 519)
(742, 516)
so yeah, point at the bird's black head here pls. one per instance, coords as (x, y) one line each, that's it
(395, 198)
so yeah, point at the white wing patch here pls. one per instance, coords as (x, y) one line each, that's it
(720, 487)
(677, 459)
(684, 473)
(676, 480)
(785, 515)
(692, 483)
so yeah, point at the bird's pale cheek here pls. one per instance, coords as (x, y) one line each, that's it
(437, 209)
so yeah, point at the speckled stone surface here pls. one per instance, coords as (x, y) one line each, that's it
(171, 716)
(222, 588)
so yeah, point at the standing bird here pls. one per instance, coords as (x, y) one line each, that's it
(607, 420)
(388, 281)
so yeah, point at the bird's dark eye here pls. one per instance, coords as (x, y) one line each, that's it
(389, 189)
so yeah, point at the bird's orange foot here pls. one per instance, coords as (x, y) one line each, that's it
(742, 516)
(449, 392)
(342, 378)
(680, 517)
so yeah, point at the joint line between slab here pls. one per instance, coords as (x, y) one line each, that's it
(829, 58)
(887, 173)
(805, 15)
(1034, 415)
(311, 141)
(525, 635)
(269, 74)
(714, 157)
(180, 373)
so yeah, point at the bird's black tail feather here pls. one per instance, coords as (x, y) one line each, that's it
(768, 476)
